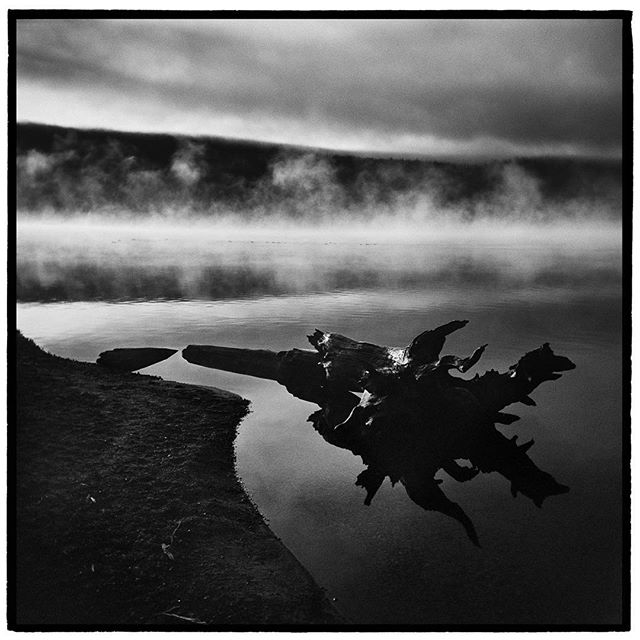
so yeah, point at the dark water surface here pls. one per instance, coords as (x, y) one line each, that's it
(390, 562)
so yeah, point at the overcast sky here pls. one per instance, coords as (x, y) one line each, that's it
(440, 87)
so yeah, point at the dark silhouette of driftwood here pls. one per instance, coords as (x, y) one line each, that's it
(413, 417)
(133, 358)
(298, 370)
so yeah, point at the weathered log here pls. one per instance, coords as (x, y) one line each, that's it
(298, 370)
(133, 358)
(258, 363)
(414, 418)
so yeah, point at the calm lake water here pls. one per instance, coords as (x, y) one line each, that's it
(82, 293)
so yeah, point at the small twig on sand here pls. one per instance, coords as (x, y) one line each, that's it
(166, 547)
(165, 550)
(175, 615)
(175, 530)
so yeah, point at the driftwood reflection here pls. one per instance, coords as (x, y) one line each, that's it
(405, 414)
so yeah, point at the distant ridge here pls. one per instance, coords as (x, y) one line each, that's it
(79, 170)
(32, 131)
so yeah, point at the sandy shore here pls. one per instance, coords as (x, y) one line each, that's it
(129, 512)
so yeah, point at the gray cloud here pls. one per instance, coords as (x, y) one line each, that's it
(521, 85)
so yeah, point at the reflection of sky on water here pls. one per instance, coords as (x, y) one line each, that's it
(393, 562)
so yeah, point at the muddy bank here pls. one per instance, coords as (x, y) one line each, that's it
(129, 512)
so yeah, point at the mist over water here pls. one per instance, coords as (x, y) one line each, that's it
(73, 172)
(90, 259)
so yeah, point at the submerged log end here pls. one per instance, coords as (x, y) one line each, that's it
(132, 359)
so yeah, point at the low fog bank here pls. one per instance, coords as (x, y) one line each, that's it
(127, 177)
(69, 261)
(200, 234)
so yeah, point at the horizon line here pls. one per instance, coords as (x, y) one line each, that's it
(395, 155)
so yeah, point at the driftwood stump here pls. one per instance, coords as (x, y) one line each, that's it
(413, 417)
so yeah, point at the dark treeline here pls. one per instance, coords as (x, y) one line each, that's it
(69, 171)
